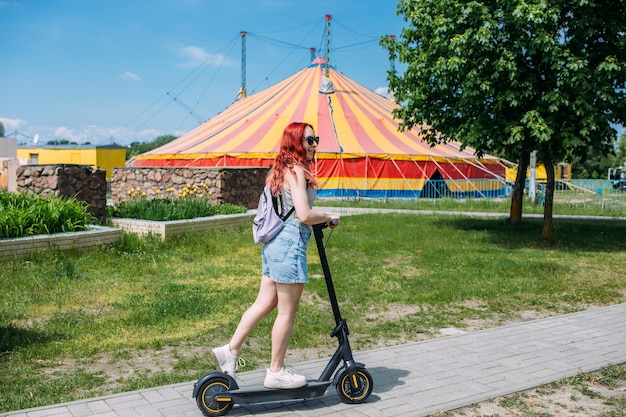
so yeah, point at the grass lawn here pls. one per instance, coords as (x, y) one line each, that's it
(147, 312)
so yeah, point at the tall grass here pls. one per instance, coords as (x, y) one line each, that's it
(147, 312)
(24, 214)
(602, 206)
(193, 201)
(171, 209)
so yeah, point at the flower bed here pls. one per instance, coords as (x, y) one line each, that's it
(22, 247)
(167, 229)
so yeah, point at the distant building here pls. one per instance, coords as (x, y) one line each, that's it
(8, 163)
(105, 157)
(8, 147)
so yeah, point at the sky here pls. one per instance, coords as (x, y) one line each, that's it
(123, 71)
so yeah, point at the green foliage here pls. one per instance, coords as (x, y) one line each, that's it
(593, 165)
(137, 148)
(22, 214)
(61, 142)
(513, 76)
(1, 130)
(620, 151)
(163, 209)
(620, 155)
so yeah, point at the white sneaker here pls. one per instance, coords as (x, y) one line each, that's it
(284, 379)
(224, 360)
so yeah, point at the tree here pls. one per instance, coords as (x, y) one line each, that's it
(593, 165)
(60, 142)
(620, 156)
(1, 130)
(513, 76)
(137, 148)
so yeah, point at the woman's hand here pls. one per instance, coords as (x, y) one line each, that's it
(333, 221)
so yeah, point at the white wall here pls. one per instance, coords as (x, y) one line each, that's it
(8, 148)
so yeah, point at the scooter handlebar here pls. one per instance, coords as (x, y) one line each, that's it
(333, 222)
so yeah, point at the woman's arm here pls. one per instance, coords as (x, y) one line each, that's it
(298, 187)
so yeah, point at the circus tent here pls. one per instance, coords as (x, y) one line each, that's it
(361, 151)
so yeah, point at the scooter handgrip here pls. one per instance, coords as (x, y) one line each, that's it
(333, 222)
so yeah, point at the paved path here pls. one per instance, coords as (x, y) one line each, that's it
(417, 379)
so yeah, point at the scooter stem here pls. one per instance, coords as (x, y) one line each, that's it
(319, 240)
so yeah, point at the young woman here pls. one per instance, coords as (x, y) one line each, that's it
(284, 258)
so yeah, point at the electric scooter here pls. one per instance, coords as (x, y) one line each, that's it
(216, 392)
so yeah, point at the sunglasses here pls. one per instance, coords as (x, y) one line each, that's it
(312, 139)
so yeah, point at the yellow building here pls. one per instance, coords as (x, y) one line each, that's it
(104, 157)
(562, 172)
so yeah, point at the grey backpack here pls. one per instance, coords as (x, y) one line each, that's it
(267, 222)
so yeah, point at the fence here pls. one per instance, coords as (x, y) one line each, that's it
(578, 193)
(414, 188)
(588, 194)
(598, 194)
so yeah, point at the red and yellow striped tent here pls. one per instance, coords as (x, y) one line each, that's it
(361, 152)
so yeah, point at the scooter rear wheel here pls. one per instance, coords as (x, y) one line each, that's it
(205, 401)
(364, 384)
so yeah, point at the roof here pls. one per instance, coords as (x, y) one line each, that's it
(350, 120)
(71, 146)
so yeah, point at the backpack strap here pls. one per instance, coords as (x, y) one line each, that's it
(288, 214)
(275, 203)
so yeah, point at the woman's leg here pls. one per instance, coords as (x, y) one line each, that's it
(288, 302)
(265, 302)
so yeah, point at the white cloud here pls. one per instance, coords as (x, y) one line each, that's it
(131, 76)
(96, 135)
(63, 132)
(11, 124)
(383, 91)
(93, 134)
(196, 56)
(10, 3)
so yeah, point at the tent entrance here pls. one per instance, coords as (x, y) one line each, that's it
(435, 187)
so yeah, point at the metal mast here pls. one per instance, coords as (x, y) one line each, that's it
(327, 57)
(242, 92)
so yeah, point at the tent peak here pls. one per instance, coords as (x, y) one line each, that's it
(318, 62)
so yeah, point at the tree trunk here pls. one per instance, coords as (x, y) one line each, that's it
(517, 196)
(548, 200)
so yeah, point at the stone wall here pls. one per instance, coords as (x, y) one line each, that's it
(234, 185)
(167, 229)
(66, 180)
(23, 247)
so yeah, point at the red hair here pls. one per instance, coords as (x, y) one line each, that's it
(291, 153)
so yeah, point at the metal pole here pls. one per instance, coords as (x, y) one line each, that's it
(243, 64)
(532, 186)
(328, 18)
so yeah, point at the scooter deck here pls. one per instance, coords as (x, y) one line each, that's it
(257, 394)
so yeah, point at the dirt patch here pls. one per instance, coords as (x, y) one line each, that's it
(553, 400)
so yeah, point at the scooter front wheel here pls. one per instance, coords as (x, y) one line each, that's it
(357, 391)
(207, 392)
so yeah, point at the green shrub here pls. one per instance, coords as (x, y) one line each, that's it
(24, 214)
